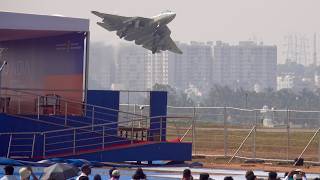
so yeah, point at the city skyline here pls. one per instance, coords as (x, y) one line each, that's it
(201, 66)
(208, 20)
(231, 21)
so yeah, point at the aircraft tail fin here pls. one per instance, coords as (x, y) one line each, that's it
(98, 14)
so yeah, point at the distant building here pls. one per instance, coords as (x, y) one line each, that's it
(296, 83)
(317, 79)
(192, 68)
(139, 69)
(130, 67)
(285, 82)
(156, 69)
(248, 65)
(101, 66)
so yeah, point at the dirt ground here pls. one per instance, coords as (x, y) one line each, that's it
(266, 166)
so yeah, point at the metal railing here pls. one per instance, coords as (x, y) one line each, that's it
(25, 141)
(62, 111)
(281, 135)
(77, 140)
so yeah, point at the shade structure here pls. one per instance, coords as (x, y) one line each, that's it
(44, 54)
(60, 171)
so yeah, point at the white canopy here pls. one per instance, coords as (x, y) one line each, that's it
(22, 26)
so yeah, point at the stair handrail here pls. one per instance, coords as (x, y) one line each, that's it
(20, 133)
(73, 101)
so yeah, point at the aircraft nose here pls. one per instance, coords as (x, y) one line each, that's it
(171, 16)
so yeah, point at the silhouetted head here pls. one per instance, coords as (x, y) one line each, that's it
(187, 173)
(8, 170)
(272, 175)
(97, 177)
(83, 178)
(204, 176)
(116, 173)
(110, 171)
(86, 169)
(228, 178)
(139, 174)
(250, 175)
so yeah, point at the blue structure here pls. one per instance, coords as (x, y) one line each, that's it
(55, 116)
(47, 137)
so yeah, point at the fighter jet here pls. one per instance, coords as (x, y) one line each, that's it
(152, 33)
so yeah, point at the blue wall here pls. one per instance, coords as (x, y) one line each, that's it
(158, 107)
(147, 152)
(108, 99)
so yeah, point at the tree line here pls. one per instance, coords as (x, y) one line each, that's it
(225, 96)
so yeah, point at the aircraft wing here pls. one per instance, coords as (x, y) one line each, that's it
(170, 45)
(164, 42)
(115, 23)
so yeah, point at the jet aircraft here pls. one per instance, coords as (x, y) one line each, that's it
(152, 33)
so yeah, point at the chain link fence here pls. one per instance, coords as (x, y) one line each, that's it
(253, 133)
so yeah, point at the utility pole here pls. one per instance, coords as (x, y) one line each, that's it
(246, 99)
(315, 49)
(4, 63)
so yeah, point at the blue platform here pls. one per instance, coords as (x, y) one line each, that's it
(47, 136)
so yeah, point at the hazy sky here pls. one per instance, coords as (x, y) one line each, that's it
(196, 20)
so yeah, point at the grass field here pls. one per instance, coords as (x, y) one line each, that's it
(269, 143)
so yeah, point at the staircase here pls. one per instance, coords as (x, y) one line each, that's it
(75, 130)
(21, 145)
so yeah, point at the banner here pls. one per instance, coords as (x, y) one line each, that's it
(47, 63)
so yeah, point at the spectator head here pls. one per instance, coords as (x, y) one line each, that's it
(8, 170)
(297, 177)
(228, 178)
(25, 173)
(139, 174)
(272, 175)
(86, 169)
(97, 177)
(250, 175)
(204, 176)
(186, 173)
(83, 178)
(115, 173)
(110, 171)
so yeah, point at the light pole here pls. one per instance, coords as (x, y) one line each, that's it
(1, 69)
(141, 109)
(246, 99)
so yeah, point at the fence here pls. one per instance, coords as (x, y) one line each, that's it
(253, 133)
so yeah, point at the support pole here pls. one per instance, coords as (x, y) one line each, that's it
(225, 132)
(255, 136)
(103, 135)
(33, 143)
(254, 127)
(9, 146)
(305, 148)
(44, 146)
(38, 107)
(131, 130)
(319, 148)
(160, 129)
(92, 119)
(194, 130)
(19, 103)
(288, 133)
(74, 141)
(65, 113)
(87, 51)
